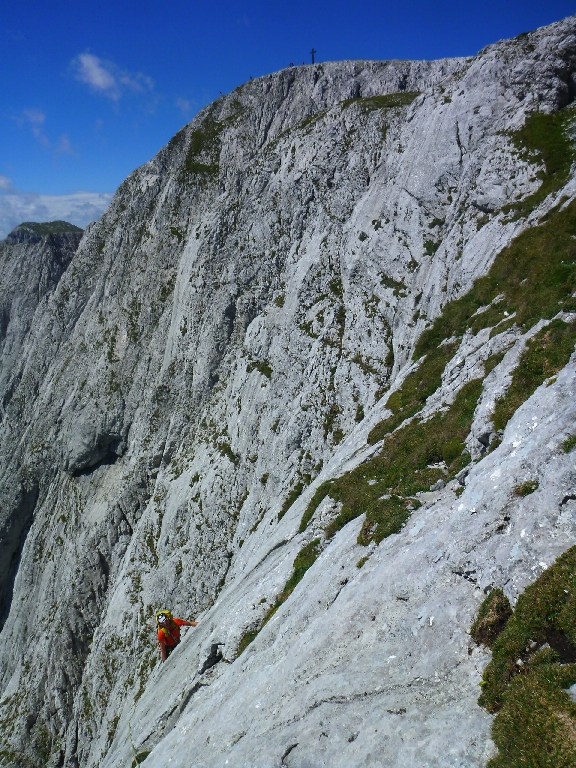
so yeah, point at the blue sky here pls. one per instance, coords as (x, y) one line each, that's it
(89, 91)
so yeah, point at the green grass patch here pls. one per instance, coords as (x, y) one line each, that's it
(246, 639)
(535, 725)
(430, 247)
(291, 498)
(397, 286)
(383, 487)
(262, 367)
(526, 488)
(502, 326)
(319, 495)
(140, 757)
(226, 450)
(535, 276)
(303, 561)
(416, 389)
(49, 227)
(203, 152)
(333, 413)
(308, 122)
(546, 353)
(177, 233)
(383, 520)
(569, 444)
(493, 361)
(384, 101)
(544, 139)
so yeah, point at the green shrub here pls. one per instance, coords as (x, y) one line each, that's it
(452, 449)
(569, 443)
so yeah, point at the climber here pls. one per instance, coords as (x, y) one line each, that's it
(169, 631)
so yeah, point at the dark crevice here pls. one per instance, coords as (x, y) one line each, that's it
(10, 391)
(185, 701)
(559, 641)
(104, 569)
(468, 575)
(13, 535)
(287, 752)
(213, 658)
(274, 548)
(4, 322)
(229, 318)
(108, 459)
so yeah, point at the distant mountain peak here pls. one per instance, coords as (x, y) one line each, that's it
(34, 231)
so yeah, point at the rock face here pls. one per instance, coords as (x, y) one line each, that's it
(32, 263)
(221, 343)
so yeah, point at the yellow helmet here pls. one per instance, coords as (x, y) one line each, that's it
(163, 616)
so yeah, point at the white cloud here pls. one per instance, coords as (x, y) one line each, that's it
(106, 78)
(34, 116)
(78, 208)
(90, 69)
(35, 119)
(185, 105)
(64, 146)
(137, 82)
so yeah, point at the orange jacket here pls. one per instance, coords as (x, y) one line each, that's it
(171, 635)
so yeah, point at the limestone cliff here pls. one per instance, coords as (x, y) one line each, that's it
(214, 405)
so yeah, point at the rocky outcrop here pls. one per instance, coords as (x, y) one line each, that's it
(222, 343)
